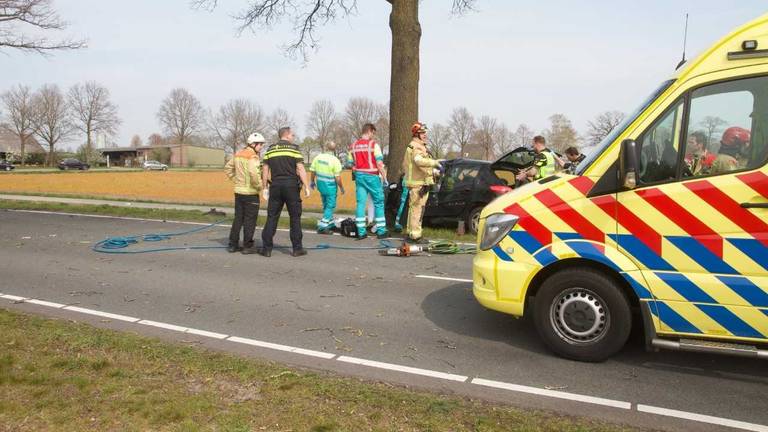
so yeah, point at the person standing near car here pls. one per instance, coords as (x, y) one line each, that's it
(419, 168)
(544, 164)
(367, 163)
(326, 175)
(245, 170)
(285, 176)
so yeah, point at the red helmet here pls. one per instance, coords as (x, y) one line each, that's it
(735, 136)
(418, 128)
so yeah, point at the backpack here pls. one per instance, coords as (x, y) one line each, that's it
(348, 227)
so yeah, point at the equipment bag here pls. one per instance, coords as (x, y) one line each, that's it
(348, 227)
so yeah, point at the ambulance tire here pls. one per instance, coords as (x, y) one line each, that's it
(582, 314)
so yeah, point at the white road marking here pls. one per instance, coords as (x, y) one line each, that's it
(720, 421)
(102, 314)
(406, 369)
(279, 347)
(552, 393)
(206, 333)
(702, 418)
(165, 326)
(443, 278)
(46, 303)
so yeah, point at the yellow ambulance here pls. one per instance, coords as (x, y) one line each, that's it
(669, 216)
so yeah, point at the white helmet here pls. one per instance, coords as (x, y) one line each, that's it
(255, 138)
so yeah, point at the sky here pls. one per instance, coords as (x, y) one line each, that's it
(517, 61)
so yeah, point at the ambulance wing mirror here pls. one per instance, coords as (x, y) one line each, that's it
(628, 164)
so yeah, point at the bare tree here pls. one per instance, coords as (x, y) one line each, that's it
(136, 141)
(439, 140)
(503, 140)
(712, 125)
(561, 133)
(320, 121)
(20, 109)
(52, 120)
(484, 138)
(279, 118)
(462, 127)
(181, 115)
(24, 24)
(235, 121)
(382, 127)
(93, 112)
(308, 17)
(359, 111)
(602, 125)
(156, 140)
(522, 136)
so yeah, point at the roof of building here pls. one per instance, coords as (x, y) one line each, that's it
(9, 143)
(129, 149)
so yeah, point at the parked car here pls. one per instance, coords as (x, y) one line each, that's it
(467, 186)
(153, 165)
(5, 165)
(71, 163)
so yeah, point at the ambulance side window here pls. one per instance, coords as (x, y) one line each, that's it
(659, 147)
(727, 127)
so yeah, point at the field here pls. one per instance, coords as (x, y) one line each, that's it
(193, 187)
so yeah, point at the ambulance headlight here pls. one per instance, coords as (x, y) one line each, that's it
(497, 226)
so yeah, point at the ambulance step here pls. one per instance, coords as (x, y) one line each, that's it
(696, 345)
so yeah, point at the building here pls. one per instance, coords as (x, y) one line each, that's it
(10, 147)
(175, 155)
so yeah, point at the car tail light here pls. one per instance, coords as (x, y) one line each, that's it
(500, 189)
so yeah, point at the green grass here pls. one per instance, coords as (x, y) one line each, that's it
(63, 375)
(184, 215)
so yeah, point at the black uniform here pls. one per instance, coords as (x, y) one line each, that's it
(285, 189)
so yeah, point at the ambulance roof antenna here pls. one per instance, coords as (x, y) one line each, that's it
(685, 43)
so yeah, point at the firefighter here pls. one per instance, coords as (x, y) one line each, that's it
(734, 145)
(367, 163)
(419, 169)
(326, 176)
(401, 206)
(245, 170)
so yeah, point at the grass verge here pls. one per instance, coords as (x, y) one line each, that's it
(62, 375)
(183, 215)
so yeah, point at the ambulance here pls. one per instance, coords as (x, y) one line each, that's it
(668, 217)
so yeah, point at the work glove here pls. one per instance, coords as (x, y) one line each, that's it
(312, 185)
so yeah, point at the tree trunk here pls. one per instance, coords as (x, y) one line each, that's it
(404, 81)
(88, 145)
(23, 149)
(50, 154)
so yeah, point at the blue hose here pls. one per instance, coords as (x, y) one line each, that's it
(118, 245)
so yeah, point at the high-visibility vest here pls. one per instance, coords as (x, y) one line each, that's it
(364, 157)
(548, 168)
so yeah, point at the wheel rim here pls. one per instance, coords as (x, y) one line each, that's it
(579, 316)
(475, 221)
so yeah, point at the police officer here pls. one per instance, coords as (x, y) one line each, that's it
(419, 168)
(245, 170)
(326, 175)
(544, 164)
(367, 163)
(285, 175)
(574, 158)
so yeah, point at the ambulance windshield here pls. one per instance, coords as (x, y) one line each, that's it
(603, 145)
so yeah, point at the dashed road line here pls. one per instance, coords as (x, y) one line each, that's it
(702, 418)
(406, 369)
(553, 393)
(443, 278)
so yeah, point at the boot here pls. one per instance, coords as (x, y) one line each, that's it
(234, 248)
(298, 252)
(266, 253)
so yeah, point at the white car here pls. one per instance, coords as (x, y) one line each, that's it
(154, 165)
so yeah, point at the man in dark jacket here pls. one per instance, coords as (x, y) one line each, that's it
(284, 172)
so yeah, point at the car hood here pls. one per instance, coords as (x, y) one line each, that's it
(524, 192)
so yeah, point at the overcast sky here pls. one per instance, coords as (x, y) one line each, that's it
(516, 61)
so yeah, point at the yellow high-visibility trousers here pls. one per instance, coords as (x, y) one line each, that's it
(416, 211)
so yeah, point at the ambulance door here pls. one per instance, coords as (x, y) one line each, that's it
(704, 252)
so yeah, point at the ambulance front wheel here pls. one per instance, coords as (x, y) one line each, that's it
(582, 314)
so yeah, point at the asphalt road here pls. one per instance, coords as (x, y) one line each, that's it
(355, 303)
